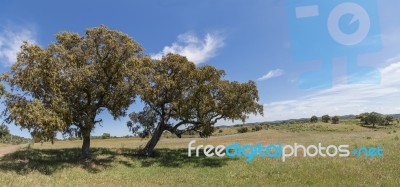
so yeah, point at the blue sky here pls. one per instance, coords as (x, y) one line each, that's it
(250, 40)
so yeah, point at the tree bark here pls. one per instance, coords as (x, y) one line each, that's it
(86, 145)
(149, 149)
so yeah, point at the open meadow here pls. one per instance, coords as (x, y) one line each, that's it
(115, 162)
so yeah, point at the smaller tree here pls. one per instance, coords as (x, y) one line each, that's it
(106, 136)
(374, 118)
(314, 119)
(326, 118)
(335, 120)
(388, 120)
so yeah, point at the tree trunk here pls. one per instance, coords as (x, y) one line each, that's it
(85, 145)
(148, 150)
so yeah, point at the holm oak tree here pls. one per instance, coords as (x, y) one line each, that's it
(179, 97)
(63, 87)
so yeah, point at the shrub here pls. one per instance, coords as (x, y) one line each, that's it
(242, 130)
(257, 128)
(220, 131)
(314, 119)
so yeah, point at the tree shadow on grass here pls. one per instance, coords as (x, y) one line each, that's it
(179, 157)
(48, 161)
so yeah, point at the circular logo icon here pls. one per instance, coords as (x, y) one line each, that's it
(359, 14)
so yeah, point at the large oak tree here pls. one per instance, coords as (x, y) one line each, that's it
(180, 97)
(63, 87)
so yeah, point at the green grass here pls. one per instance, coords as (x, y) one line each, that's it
(115, 162)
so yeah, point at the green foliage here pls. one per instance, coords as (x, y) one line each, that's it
(40, 137)
(326, 118)
(63, 87)
(375, 118)
(314, 119)
(106, 136)
(4, 131)
(180, 97)
(242, 129)
(388, 120)
(335, 120)
(256, 128)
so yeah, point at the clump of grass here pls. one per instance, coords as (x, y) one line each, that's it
(396, 138)
(369, 137)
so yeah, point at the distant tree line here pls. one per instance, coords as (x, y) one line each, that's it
(325, 119)
(367, 118)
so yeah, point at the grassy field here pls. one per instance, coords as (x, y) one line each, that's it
(115, 162)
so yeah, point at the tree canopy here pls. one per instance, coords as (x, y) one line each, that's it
(181, 97)
(63, 87)
(325, 118)
(314, 119)
(374, 118)
(335, 120)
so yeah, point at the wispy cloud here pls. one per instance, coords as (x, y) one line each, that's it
(342, 99)
(198, 50)
(10, 43)
(271, 74)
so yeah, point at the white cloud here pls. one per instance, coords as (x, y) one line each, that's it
(342, 99)
(271, 74)
(10, 43)
(194, 48)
